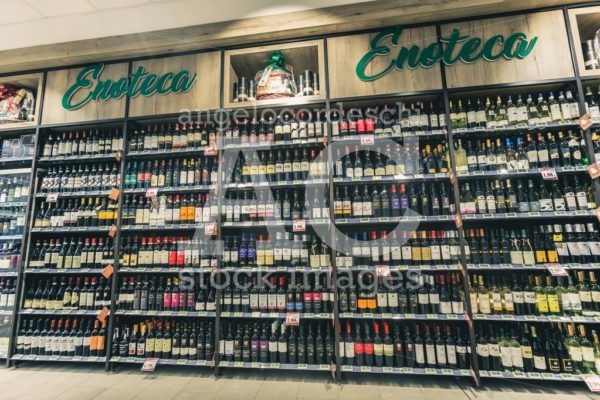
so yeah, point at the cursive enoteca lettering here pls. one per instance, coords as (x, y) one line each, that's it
(89, 85)
(449, 50)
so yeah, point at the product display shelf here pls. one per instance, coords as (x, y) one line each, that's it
(409, 371)
(163, 361)
(17, 209)
(539, 267)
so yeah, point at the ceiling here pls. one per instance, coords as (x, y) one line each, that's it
(40, 22)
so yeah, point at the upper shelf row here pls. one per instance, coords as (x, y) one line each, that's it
(390, 62)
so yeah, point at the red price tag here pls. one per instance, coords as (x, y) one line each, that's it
(108, 271)
(367, 140)
(114, 194)
(150, 364)
(113, 231)
(593, 170)
(299, 225)
(151, 193)
(383, 270)
(549, 174)
(592, 382)
(584, 121)
(102, 314)
(51, 197)
(458, 221)
(557, 270)
(292, 319)
(210, 229)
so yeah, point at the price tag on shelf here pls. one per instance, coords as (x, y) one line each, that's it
(299, 225)
(211, 150)
(51, 197)
(150, 364)
(383, 270)
(458, 221)
(108, 271)
(597, 213)
(585, 122)
(151, 193)
(102, 314)
(549, 174)
(292, 319)
(593, 170)
(556, 270)
(119, 155)
(114, 194)
(112, 232)
(592, 382)
(367, 140)
(210, 229)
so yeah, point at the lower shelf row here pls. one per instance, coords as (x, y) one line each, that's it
(313, 367)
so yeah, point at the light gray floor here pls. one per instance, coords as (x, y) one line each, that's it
(79, 382)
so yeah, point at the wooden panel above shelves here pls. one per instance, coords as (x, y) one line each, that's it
(203, 95)
(346, 51)
(550, 58)
(59, 81)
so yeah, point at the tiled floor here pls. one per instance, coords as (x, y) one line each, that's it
(64, 382)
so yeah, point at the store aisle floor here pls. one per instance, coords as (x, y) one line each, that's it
(65, 382)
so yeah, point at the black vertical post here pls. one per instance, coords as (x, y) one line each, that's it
(117, 238)
(332, 233)
(220, 194)
(461, 231)
(29, 213)
(581, 99)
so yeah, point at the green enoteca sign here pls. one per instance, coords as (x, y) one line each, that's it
(141, 82)
(455, 48)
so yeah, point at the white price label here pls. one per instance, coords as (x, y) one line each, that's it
(556, 270)
(210, 229)
(383, 270)
(549, 174)
(367, 140)
(151, 193)
(51, 197)
(592, 381)
(149, 364)
(292, 319)
(299, 225)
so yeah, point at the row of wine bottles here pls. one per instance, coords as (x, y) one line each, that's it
(84, 337)
(168, 252)
(15, 189)
(89, 212)
(86, 143)
(170, 293)
(177, 136)
(10, 254)
(385, 201)
(12, 220)
(7, 293)
(499, 196)
(171, 173)
(280, 165)
(164, 339)
(570, 243)
(547, 348)
(529, 294)
(522, 153)
(169, 209)
(74, 293)
(409, 159)
(93, 253)
(547, 109)
(80, 178)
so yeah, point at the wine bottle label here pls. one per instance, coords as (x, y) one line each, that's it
(506, 357)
